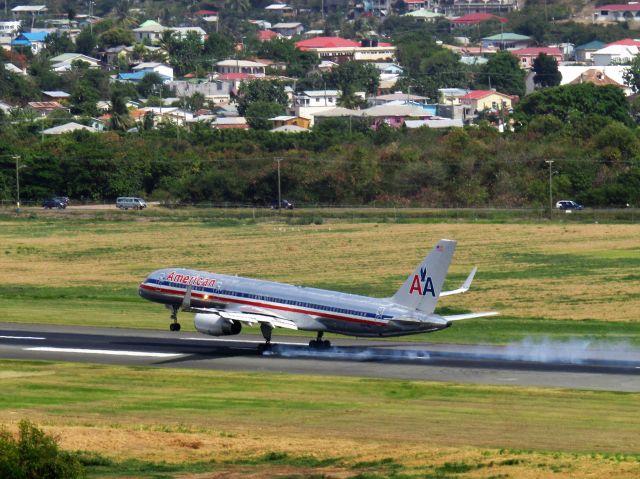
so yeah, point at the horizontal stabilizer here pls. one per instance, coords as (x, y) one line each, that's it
(460, 317)
(465, 286)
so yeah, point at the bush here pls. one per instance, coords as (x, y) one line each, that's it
(35, 455)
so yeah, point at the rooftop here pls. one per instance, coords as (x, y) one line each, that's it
(473, 18)
(326, 42)
(507, 37)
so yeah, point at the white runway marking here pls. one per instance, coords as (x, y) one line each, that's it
(22, 337)
(275, 343)
(105, 352)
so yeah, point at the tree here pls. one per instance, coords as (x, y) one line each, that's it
(503, 73)
(259, 112)
(631, 75)
(546, 68)
(218, 46)
(238, 6)
(57, 44)
(86, 42)
(114, 37)
(573, 102)
(355, 76)
(263, 91)
(83, 99)
(184, 52)
(149, 84)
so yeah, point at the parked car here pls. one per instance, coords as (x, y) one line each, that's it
(50, 203)
(130, 202)
(62, 199)
(284, 204)
(566, 205)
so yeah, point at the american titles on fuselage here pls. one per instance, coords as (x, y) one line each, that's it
(193, 280)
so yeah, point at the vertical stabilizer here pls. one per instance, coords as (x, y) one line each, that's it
(422, 288)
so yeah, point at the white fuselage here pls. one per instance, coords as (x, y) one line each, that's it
(311, 309)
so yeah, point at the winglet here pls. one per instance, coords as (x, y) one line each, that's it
(465, 286)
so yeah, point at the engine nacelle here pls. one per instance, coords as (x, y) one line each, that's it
(214, 325)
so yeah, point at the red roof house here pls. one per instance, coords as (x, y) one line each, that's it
(628, 42)
(475, 18)
(266, 35)
(326, 42)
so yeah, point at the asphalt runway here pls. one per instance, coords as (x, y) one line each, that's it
(523, 364)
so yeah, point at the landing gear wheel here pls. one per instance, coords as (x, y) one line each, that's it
(174, 326)
(318, 343)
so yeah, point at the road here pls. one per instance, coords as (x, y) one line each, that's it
(522, 365)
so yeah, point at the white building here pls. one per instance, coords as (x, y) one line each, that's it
(159, 68)
(614, 54)
(9, 28)
(241, 66)
(310, 102)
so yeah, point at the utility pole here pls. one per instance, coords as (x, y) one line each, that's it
(278, 160)
(17, 158)
(550, 163)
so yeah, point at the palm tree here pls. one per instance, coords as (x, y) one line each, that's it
(239, 6)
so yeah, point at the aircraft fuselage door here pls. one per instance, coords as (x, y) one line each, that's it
(380, 312)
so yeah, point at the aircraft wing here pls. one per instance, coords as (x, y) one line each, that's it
(460, 317)
(465, 286)
(247, 315)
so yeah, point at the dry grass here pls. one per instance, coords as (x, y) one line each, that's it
(517, 273)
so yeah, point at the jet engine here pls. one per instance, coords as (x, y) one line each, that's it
(214, 325)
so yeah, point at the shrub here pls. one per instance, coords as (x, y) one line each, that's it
(35, 455)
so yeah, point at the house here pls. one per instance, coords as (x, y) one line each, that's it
(44, 108)
(387, 68)
(68, 128)
(160, 68)
(394, 115)
(613, 54)
(33, 10)
(461, 7)
(182, 32)
(397, 96)
(424, 15)
(413, 5)
(289, 129)
(33, 40)
(341, 50)
(214, 91)
(64, 62)
(288, 29)
(477, 101)
(231, 122)
(451, 96)
(241, 66)
(267, 35)
(149, 32)
(137, 76)
(625, 12)
(56, 95)
(507, 41)
(598, 75)
(474, 19)
(528, 55)
(280, 8)
(10, 67)
(288, 120)
(583, 52)
(10, 28)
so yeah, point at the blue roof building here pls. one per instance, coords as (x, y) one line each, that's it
(33, 40)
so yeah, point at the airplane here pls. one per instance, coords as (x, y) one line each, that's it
(224, 303)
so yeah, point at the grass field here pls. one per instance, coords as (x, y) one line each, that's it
(136, 419)
(556, 280)
(548, 279)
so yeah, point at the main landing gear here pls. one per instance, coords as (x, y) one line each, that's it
(175, 326)
(318, 343)
(265, 329)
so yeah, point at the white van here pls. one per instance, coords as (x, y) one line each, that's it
(126, 202)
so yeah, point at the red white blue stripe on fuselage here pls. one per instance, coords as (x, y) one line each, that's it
(174, 292)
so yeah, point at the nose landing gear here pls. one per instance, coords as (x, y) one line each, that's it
(175, 325)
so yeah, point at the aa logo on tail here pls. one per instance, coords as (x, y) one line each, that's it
(422, 284)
